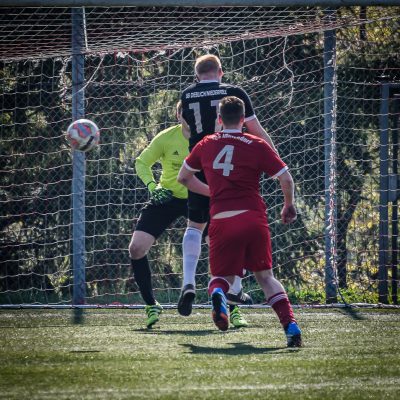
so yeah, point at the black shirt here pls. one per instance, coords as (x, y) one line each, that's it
(199, 107)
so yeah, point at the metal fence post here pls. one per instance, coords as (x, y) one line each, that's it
(395, 195)
(383, 194)
(330, 160)
(79, 165)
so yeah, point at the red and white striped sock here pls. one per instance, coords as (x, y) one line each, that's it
(281, 305)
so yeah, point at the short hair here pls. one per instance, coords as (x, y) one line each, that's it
(207, 63)
(231, 109)
(179, 107)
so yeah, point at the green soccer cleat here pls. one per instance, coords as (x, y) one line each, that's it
(237, 319)
(153, 313)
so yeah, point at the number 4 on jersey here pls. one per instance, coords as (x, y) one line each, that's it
(226, 153)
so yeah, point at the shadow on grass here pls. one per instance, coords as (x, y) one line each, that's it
(85, 351)
(237, 349)
(203, 332)
(78, 316)
(352, 313)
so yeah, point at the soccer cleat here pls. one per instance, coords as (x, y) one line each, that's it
(237, 319)
(153, 312)
(293, 335)
(220, 314)
(240, 298)
(186, 299)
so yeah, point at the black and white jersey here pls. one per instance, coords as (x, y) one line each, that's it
(200, 107)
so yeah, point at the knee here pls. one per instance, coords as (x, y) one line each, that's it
(196, 225)
(192, 241)
(269, 275)
(265, 275)
(137, 251)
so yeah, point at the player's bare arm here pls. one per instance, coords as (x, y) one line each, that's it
(185, 128)
(187, 178)
(288, 212)
(255, 128)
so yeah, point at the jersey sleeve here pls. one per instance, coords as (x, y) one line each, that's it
(193, 160)
(249, 113)
(271, 163)
(147, 158)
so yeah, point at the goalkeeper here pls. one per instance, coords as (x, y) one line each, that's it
(168, 202)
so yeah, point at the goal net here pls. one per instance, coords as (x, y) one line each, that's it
(137, 61)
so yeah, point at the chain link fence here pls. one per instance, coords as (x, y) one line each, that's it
(131, 92)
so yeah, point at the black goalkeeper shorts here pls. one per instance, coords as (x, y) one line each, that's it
(198, 205)
(154, 220)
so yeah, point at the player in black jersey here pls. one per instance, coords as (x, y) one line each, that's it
(200, 103)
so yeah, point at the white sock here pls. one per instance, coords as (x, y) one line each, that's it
(191, 246)
(236, 286)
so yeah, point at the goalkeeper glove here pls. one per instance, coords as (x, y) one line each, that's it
(161, 196)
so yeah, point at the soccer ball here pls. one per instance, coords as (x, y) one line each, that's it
(83, 135)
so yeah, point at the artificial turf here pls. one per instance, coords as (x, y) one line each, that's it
(110, 355)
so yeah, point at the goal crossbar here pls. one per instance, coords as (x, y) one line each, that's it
(194, 3)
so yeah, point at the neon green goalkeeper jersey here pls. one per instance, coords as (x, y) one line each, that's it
(169, 147)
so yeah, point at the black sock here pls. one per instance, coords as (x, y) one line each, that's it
(231, 307)
(142, 274)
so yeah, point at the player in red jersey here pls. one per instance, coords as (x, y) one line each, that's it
(232, 162)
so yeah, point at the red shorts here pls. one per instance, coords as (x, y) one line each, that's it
(240, 242)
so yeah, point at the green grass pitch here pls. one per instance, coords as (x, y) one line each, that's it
(44, 355)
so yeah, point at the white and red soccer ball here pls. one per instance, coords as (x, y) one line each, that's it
(83, 135)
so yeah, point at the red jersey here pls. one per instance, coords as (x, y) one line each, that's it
(233, 162)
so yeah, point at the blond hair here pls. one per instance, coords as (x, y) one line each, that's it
(207, 63)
